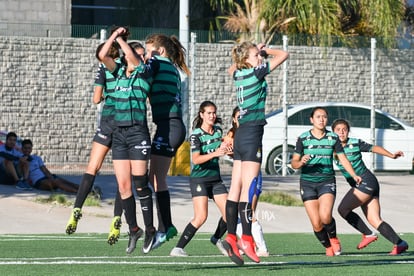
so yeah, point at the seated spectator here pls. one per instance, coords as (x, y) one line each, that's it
(14, 167)
(40, 177)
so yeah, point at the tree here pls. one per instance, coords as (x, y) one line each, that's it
(373, 18)
(247, 20)
(321, 19)
(318, 18)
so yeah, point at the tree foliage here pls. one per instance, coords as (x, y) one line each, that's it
(260, 20)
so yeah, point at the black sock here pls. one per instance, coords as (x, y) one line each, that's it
(118, 205)
(386, 230)
(355, 221)
(147, 212)
(84, 189)
(145, 199)
(323, 237)
(187, 235)
(231, 216)
(130, 207)
(221, 229)
(331, 228)
(245, 211)
(164, 210)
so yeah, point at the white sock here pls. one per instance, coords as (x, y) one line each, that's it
(239, 229)
(257, 233)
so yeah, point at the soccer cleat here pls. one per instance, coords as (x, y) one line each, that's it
(148, 241)
(23, 185)
(115, 230)
(366, 240)
(336, 246)
(219, 244)
(160, 238)
(329, 251)
(232, 251)
(133, 238)
(249, 248)
(178, 252)
(399, 248)
(171, 233)
(73, 221)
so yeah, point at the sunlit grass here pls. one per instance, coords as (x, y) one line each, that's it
(62, 199)
(280, 198)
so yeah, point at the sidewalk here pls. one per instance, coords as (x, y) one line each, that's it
(22, 215)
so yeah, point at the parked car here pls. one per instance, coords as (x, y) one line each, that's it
(390, 133)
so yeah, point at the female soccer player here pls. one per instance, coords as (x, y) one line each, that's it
(165, 55)
(365, 194)
(251, 88)
(104, 87)
(205, 178)
(314, 155)
(131, 146)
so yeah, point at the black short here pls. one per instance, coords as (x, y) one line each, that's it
(103, 134)
(369, 184)
(248, 143)
(131, 143)
(6, 178)
(208, 189)
(169, 136)
(311, 191)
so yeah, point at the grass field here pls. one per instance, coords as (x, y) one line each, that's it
(291, 254)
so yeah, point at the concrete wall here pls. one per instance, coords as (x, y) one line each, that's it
(46, 86)
(42, 18)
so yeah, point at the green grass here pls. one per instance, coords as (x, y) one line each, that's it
(62, 199)
(280, 198)
(291, 254)
(54, 199)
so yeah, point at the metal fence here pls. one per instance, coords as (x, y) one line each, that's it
(203, 36)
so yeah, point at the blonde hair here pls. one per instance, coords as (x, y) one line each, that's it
(240, 54)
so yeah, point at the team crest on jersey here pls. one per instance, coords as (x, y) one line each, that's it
(259, 153)
(351, 146)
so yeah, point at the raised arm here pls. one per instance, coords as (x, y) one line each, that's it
(380, 150)
(104, 56)
(279, 56)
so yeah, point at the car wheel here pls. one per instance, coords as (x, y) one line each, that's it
(275, 160)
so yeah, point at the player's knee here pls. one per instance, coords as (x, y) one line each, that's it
(199, 220)
(342, 211)
(141, 185)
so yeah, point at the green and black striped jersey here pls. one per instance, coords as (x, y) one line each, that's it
(107, 80)
(353, 150)
(203, 142)
(165, 94)
(320, 166)
(251, 89)
(130, 97)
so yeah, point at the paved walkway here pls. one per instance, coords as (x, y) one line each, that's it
(21, 214)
